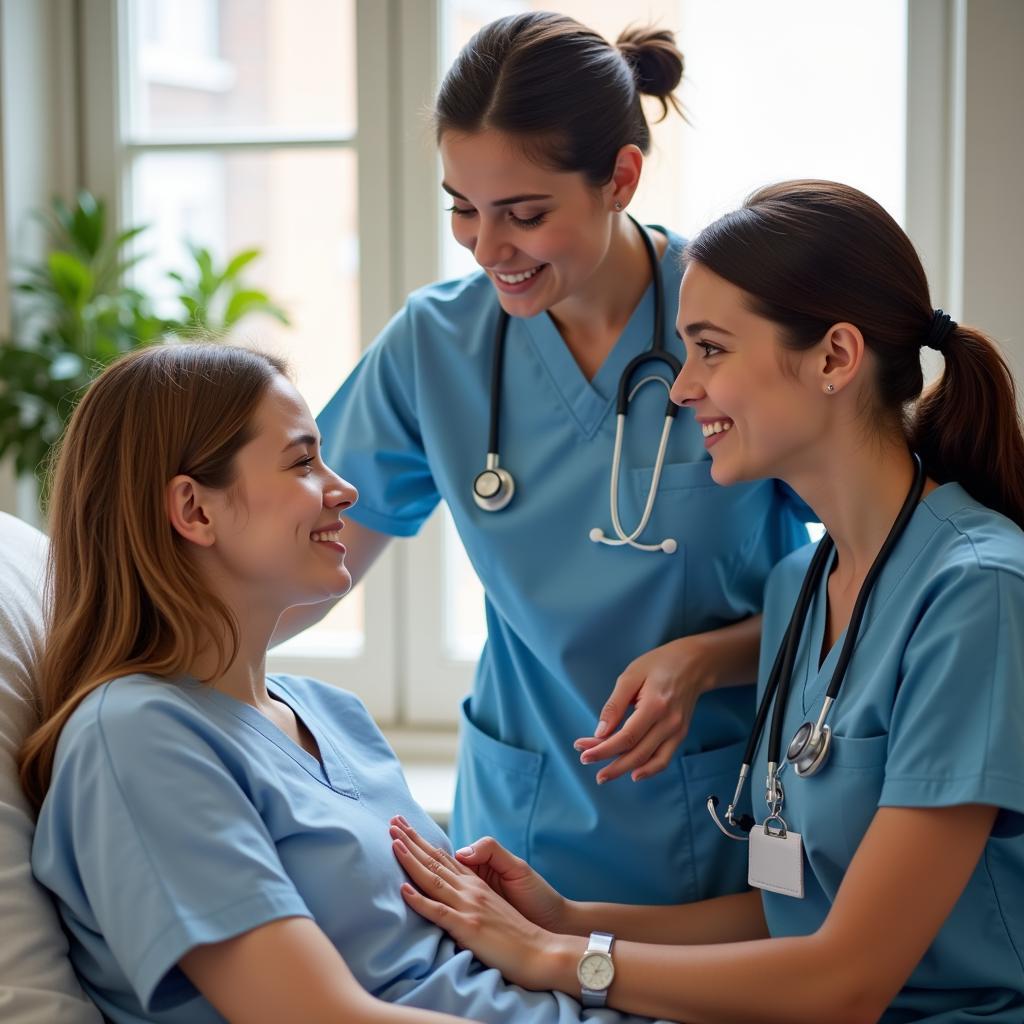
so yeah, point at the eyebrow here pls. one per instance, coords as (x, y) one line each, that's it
(303, 439)
(510, 201)
(704, 325)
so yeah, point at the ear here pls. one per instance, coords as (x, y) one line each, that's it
(187, 513)
(841, 357)
(625, 176)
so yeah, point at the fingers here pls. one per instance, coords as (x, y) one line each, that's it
(490, 853)
(623, 694)
(436, 913)
(638, 725)
(638, 755)
(401, 829)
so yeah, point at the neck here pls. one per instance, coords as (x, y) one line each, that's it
(857, 489)
(606, 303)
(245, 678)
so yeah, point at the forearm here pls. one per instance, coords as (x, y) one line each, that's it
(733, 983)
(729, 655)
(735, 918)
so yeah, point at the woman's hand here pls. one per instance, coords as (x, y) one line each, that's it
(663, 685)
(515, 881)
(455, 897)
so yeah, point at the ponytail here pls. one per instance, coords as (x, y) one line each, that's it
(966, 426)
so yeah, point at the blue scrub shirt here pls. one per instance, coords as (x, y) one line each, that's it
(565, 615)
(931, 714)
(178, 816)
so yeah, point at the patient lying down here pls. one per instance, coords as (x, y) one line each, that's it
(218, 841)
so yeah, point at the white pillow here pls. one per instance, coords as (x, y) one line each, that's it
(37, 984)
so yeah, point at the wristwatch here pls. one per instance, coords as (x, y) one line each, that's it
(596, 969)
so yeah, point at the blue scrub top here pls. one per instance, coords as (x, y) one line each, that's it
(178, 816)
(565, 615)
(931, 714)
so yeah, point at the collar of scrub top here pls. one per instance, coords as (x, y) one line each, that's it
(809, 748)
(494, 487)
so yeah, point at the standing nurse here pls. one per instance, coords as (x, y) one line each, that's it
(542, 137)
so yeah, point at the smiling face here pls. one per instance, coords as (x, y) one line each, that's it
(276, 529)
(761, 406)
(540, 235)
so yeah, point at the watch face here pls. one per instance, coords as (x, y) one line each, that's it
(596, 971)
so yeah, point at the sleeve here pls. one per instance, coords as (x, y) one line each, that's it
(371, 434)
(170, 850)
(958, 717)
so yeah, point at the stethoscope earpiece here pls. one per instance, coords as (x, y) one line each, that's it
(809, 749)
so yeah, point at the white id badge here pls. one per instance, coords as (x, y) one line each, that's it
(776, 861)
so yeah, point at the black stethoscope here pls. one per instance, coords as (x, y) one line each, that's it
(809, 749)
(494, 487)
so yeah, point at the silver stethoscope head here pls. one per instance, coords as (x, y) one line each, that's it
(493, 487)
(809, 748)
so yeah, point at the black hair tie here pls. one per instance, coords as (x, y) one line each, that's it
(939, 330)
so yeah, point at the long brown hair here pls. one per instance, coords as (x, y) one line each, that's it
(121, 594)
(569, 97)
(810, 254)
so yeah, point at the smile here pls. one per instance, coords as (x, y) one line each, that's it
(520, 277)
(715, 427)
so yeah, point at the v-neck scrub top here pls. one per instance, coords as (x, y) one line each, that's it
(178, 816)
(565, 616)
(931, 714)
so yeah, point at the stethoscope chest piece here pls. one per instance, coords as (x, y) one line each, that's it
(493, 487)
(809, 749)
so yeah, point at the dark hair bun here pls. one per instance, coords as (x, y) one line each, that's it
(656, 61)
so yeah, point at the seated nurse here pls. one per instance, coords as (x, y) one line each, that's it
(890, 856)
(217, 841)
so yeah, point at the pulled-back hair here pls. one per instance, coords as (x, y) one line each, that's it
(121, 594)
(810, 254)
(566, 95)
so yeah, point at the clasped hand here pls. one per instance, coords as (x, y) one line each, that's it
(488, 900)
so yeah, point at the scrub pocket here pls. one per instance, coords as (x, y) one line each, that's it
(497, 788)
(853, 781)
(719, 864)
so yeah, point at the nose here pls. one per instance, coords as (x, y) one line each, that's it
(686, 388)
(490, 247)
(339, 494)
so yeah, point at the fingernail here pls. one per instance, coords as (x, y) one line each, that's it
(402, 821)
(602, 728)
(637, 776)
(399, 846)
(600, 780)
(578, 745)
(407, 888)
(466, 851)
(586, 759)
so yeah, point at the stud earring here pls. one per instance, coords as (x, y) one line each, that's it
(618, 206)
(830, 388)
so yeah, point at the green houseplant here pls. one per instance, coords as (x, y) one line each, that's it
(76, 313)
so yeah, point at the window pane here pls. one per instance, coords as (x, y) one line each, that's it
(299, 207)
(788, 96)
(241, 66)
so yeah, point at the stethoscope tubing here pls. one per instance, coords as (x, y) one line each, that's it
(777, 689)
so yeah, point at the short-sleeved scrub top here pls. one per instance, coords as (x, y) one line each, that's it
(565, 616)
(178, 816)
(931, 714)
